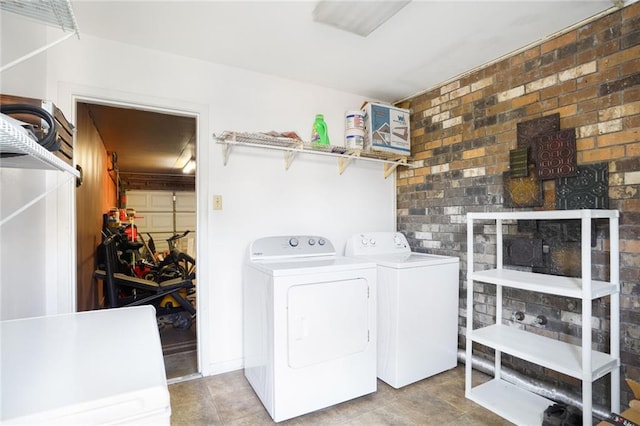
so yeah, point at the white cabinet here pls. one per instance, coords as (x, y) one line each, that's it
(581, 362)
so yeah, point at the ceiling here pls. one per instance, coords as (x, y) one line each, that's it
(145, 141)
(426, 43)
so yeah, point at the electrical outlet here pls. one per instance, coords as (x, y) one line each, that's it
(217, 202)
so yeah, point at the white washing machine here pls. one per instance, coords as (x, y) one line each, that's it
(417, 307)
(309, 325)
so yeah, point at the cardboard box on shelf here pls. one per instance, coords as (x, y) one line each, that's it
(387, 128)
(633, 412)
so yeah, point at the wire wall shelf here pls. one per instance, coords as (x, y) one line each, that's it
(291, 147)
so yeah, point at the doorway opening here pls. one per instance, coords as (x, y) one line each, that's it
(135, 160)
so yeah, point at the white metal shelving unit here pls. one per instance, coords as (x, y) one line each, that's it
(30, 156)
(33, 156)
(57, 176)
(581, 362)
(57, 13)
(292, 147)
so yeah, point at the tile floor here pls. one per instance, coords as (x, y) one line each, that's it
(228, 399)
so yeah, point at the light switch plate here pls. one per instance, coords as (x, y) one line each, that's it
(217, 202)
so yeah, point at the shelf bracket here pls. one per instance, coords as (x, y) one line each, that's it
(390, 168)
(226, 151)
(35, 52)
(35, 200)
(288, 158)
(343, 163)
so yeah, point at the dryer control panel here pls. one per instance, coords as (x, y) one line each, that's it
(284, 246)
(372, 243)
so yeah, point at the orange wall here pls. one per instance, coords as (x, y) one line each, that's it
(94, 198)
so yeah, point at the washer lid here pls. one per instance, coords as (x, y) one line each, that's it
(411, 260)
(312, 265)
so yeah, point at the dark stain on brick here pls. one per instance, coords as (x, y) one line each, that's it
(462, 146)
(630, 233)
(485, 121)
(420, 123)
(441, 153)
(475, 191)
(627, 165)
(568, 50)
(482, 142)
(433, 127)
(630, 40)
(480, 105)
(457, 174)
(417, 212)
(479, 112)
(531, 64)
(611, 33)
(548, 58)
(631, 25)
(586, 43)
(424, 186)
(512, 115)
(618, 85)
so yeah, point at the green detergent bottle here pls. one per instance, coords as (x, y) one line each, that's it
(319, 134)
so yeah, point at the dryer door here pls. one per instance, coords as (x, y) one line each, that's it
(326, 321)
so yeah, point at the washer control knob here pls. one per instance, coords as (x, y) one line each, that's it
(364, 242)
(372, 241)
(312, 242)
(293, 242)
(321, 241)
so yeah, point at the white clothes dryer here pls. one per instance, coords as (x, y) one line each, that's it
(417, 307)
(309, 325)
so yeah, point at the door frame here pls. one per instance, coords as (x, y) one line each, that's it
(71, 94)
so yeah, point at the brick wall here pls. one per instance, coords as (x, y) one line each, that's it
(462, 132)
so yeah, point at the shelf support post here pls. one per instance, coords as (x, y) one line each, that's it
(468, 346)
(587, 397)
(614, 277)
(498, 354)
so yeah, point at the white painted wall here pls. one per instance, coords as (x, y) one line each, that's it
(260, 197)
